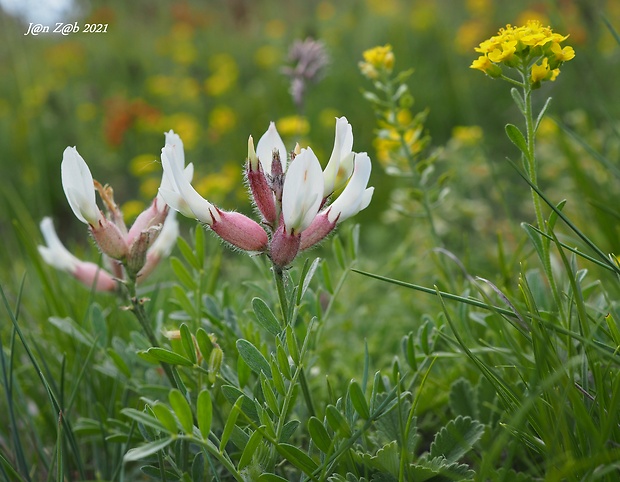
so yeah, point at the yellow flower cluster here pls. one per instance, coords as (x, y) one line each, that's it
(376, 60)
(533, 49)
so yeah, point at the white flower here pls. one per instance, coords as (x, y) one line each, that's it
(303, 191)
(355, 196)
(178, 192)
(341, 160)
(232, 227)
(267, 144)
(167, 237)
(77, 182)
(54, 253)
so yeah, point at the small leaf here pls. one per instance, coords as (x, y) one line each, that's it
(181, 272)
(270, 396)
(319, 435)
(518, 98)
(181, 408)
(516, 137)
(164, 415)
(291, 342)
(283, 363)
(143, 418)
(188, 253)
(144, 451)
(298, 458)
(276, 376)
(337, 421)
(188, 343)
(250, 448)
(265, 317)
(339, 252)
(167, 356)
(254, 358)
(553, 217)
(205, 345)
(289, 429)
(306, 277)
(358, 400)
(204, 413)
(230, 423)
(541, 114)
(456, 438)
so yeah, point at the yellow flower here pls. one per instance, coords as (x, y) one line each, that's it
(377, 59)
(540, 72)
(519, 47)
(503, 52)
(562, 54)
(485, 65)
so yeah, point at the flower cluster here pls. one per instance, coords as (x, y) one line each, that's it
(376, 60)
(533, 49)
(291, 194)
(130, 254)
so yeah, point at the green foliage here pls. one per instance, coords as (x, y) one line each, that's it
(461, 333)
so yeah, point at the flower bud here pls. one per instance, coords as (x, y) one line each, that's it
(240, 231)
(215, 363)
(109, 238)
(284, 247)
(262, 193)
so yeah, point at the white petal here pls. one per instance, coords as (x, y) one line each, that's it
(173, 139)
(55, 254)
(343, 143)
(269, 142)
(355, 196)
(302, 193)
(77, 182)
(192, 202)
(176, 202)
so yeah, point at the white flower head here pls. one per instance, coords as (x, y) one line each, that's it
(341, 159)
(77, 182)
(180, 195)
(267, 144)
(303, 191)
(355, 196)
(54, 253)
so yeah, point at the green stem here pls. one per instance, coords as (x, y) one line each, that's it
(279, 279)
(278, 275)
(137, 307)
(530, 155)
(533, 176)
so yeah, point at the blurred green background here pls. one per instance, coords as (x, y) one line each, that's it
(212, 71)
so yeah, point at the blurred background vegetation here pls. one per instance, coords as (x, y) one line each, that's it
(212, 71)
